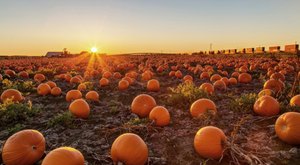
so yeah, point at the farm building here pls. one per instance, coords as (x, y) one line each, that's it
(233, 51)
(249, 50)
(227, 51)
(54, 54)
(274, 49)
(291, 48)
(260, 50)
(242, 51)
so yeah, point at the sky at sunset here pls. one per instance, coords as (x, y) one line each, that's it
(33, 27)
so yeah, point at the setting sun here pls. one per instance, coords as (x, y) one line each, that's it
(94, 50)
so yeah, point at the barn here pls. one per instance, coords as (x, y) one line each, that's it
(54, 54)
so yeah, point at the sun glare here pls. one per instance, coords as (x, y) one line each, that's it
(94, 50)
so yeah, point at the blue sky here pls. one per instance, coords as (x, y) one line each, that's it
(34, 27)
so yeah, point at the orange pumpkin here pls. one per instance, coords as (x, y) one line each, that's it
(51, 84)
(153, 85)
(277, 76)
(142, 105)
(225, 80)
(123, 84)
(56, 91)
(287, 127)
(295, 101)
(266, 106)
(64, 155)
(178, 74)
(75, 80)
(208, 88)
(130, 149)
(146, 76)
(107, 74)
(117, 75)
(264, 92)
(209, 142)
(103, 82)
(232, 81)
(204, 75)
(43, 89)
(10, 73)
(23, 74)
(215, 77)
(201, 106)
(245, 78)
(81, 87)
(274, 85)
(39, 77)
(219, 84)
(187, 77)
(13, 94)
(80, 108)
(23, 148)
(92, 95)
(235, 74)
(160, 115)
(73, 95)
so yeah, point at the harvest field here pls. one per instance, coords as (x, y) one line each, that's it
(234, 85)
(241, 123)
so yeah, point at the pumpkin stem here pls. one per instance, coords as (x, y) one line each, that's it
(34, 147)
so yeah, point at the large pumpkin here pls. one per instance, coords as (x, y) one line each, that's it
(266, 106)
(80, 108)
(43, 89)
(160, 115)
(209, 142)
(142, 105)
(64, 156)
(287, 127)
(23, 148)
(130, 149)
(13, 94)
(202, 106)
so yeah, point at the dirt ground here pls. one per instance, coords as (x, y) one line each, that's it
(172, 144)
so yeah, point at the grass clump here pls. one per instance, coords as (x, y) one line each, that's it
(185, 94)
(64, 119)
(137, 121)
(244, 103)
(22, 86)
(12, 113)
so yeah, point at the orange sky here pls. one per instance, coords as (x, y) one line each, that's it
(35, 27)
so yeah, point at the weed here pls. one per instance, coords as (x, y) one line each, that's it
(12, 113)
(137, 121)
(185, 94)
(15, 128)
(244, 103)
(65, 119)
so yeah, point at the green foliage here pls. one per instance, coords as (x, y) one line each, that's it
(244, 103)
(15, 128)
(137, 121)
(12, 113)
(114, 110)
(89, 85)
(22, 86)
(185, 94)
(65, 119)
